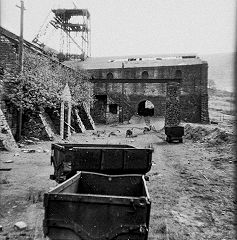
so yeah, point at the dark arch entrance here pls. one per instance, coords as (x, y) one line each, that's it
(145, 108)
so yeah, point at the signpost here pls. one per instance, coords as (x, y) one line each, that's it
(65, 99)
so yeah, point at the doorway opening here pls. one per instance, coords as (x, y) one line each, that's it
(145, 108)
(99, 110)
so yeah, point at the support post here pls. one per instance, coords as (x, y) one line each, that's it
(22, 8)
(122, 112)
(62, 120)
(69, 119)
(66, 97)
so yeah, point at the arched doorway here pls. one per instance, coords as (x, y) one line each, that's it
(145, 108)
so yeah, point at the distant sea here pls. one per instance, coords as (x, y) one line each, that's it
(221, 70)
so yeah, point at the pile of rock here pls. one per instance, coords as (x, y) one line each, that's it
(207, 134)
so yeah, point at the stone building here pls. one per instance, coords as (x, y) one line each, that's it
(123, 85)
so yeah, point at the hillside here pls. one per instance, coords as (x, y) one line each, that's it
(221, 70)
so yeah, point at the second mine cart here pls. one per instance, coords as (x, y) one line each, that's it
(112, 159)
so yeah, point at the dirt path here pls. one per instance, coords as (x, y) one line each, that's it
(191, 185)
(192, 198)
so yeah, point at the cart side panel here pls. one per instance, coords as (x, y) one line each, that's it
(177, 131)
(127, 185)
(86, 220)
(138, 160)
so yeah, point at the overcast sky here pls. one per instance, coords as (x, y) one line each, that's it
(127, 27)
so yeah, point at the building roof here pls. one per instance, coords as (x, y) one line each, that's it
(145, 61)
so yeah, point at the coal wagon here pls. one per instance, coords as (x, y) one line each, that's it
(94, 206)
(112, 159)
(174, 133)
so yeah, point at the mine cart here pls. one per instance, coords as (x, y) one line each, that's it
(111, 159)
(94, 206)
(174, 133)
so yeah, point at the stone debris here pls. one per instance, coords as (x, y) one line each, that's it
(34, 139)
(29, 142)
(146, 129)
(28, 150)
(20, 145)
(9, 161)
(20, 225)
(1, 228)
(112, 134)
(99, 133)
(46, 151)
(129, 133)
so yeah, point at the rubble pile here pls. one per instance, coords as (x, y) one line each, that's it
(207, 134)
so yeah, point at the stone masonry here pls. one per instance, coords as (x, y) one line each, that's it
(147, 79)
(39, 125)
(172, 115)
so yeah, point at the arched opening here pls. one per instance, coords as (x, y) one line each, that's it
(145, 75)
(145, 108)
(110, 76)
